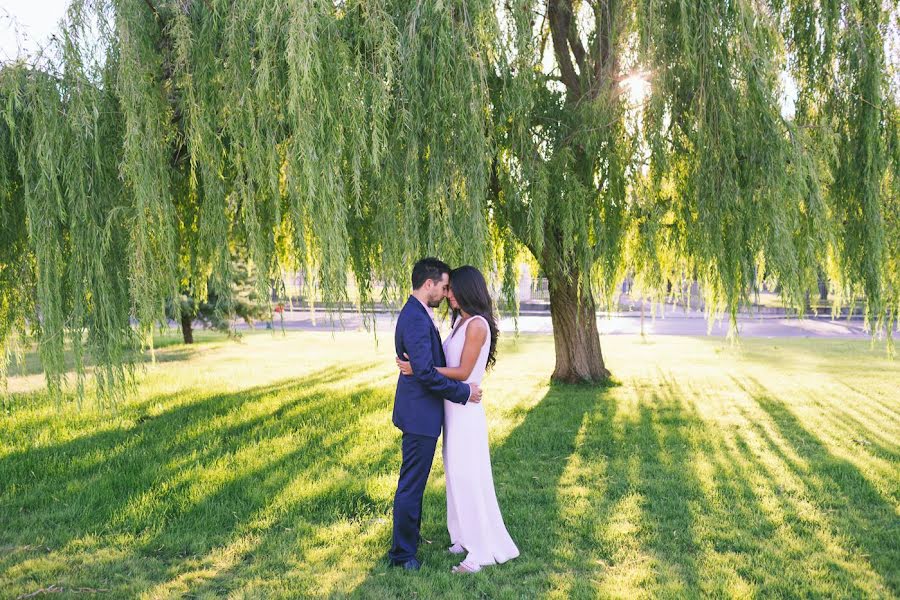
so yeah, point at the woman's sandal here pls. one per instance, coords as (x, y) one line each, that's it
(464, 567)
(456, 549)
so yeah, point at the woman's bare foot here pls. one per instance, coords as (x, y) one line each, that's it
(464, 567)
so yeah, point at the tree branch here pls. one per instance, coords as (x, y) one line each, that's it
(544, 36)
(602, 47)
(519, 229)
(152, 8)
(577, 47)
(560, 16)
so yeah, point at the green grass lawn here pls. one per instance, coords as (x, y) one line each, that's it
(266, 468)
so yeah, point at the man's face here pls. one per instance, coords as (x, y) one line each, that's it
(439, 290)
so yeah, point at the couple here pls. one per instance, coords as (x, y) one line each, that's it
(439, 385)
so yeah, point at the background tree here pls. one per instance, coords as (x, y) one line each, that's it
(358, 136)
(203, 306)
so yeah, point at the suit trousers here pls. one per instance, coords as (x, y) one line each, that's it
(418, 455)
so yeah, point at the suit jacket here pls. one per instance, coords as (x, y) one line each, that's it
(419, 401)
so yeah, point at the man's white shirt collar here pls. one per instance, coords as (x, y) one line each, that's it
(429, 310)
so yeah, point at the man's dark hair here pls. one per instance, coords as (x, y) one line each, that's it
(428, 268)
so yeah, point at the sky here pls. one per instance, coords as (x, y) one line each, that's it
(27, 24)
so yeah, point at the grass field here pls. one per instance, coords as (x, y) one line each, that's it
(266, 468)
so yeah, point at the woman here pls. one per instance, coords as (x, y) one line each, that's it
(473, 515)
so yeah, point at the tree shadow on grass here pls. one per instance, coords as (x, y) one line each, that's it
(136, 481)
(669, 486)
(604, 496)
(275, 520)
(603, 493)
(749, 533)
(634, 527)
(882, 409)
(607, 495)
(527, 468)
(682, 509)
(585, 492)
(786, 527)
(169, 435)
(846, 422)
(855, 508)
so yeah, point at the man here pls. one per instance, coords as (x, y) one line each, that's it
(419, 403)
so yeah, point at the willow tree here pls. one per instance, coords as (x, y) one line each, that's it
(851, 107)
(64, 235)
(356, 136)
(349, 137)
(704, 179)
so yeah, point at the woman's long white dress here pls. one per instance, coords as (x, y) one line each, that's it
(473, 515)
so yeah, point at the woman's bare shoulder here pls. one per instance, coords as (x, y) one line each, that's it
(477, 327)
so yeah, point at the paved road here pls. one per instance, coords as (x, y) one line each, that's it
(672, 324)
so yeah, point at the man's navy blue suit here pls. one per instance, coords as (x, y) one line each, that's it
(419, 414)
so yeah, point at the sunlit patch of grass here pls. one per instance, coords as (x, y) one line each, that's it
(266, 468)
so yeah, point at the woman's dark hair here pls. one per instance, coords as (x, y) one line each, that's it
(471, 293)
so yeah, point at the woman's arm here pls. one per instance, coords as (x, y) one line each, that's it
(416, 343)
(476, 333)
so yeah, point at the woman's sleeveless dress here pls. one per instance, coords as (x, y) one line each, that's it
(473, 514)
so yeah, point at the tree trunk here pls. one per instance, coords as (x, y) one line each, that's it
(187, 329)
(823, 288)
(575, 336)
